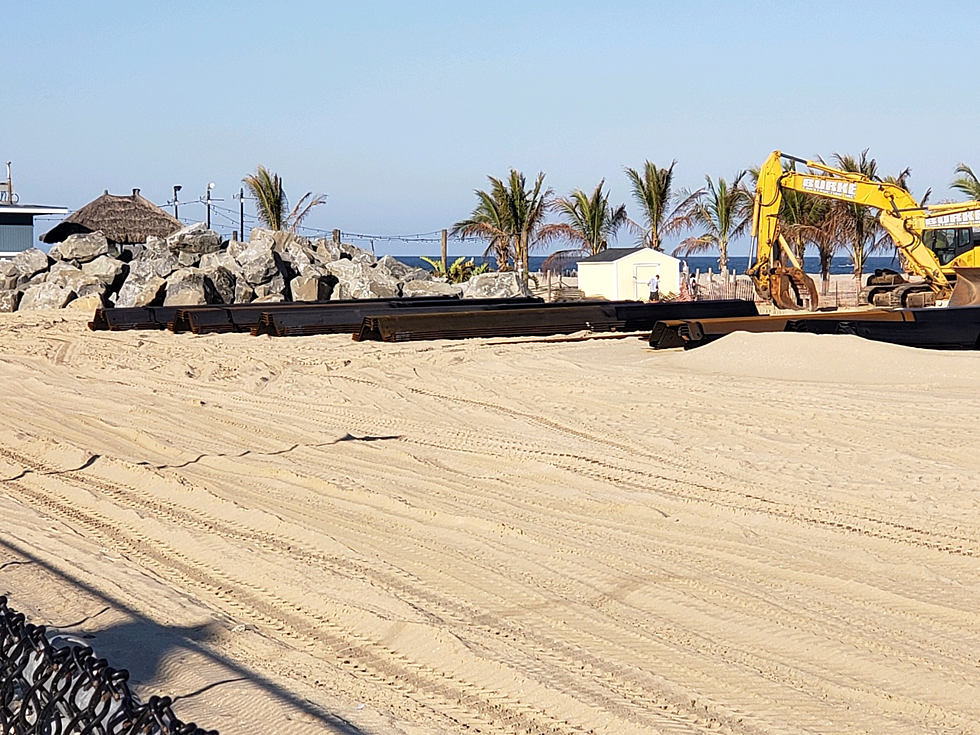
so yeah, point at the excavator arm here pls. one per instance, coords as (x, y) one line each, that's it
(900, 215)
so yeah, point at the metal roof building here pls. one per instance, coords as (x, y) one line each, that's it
(17, 220)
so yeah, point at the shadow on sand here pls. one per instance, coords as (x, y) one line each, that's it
(141, 645)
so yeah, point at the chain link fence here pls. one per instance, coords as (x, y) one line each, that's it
(52, 689)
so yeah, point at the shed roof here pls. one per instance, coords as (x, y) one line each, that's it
(126, 220)
(609, 255)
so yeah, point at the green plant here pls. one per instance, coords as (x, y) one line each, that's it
(460, 270)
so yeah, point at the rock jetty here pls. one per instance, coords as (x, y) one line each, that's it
(195, 266)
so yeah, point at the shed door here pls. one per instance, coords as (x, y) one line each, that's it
(642, 273)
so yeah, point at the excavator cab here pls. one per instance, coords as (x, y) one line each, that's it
(949, 244)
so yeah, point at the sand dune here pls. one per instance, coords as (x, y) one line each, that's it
(770, 534)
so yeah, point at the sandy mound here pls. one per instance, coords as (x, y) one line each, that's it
(828, 359)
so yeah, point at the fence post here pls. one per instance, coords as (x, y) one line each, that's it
(445, 261)
(336, 237)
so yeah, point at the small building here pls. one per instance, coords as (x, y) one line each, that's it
(17, 220)
(123, 219)
(624, 273)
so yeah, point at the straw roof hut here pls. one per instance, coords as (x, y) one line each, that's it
(124, 220)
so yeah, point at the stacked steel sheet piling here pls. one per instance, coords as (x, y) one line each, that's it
(951, 328)
(413, 319)
(543, 319)
(349, 318)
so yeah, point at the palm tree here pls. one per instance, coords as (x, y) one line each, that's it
(966, 182)
(510, 217)
(271, 202)
(590, 222)
(664, 211)
(857, 222)
(724, 210)
(487, 222)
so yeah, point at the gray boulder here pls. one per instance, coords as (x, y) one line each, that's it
(91, 302)
(356, 254)
(185, 287)
(140, 290)
(74, 279)
(310, 288)
(275, 285)
(9, 298)
(220, 284)
(31, 261)
(106, 269)
(360, 281)
(325, 251)
(272, 298)
(188, 258)
(220, 259)
(154, 262)
(83, 247)
(244, 293)
(9, 274)
(495, 286)
(45, 296)
(415, 289)
(257, 262)
(196, 238)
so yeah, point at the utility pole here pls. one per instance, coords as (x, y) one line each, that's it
(241, 211)
(177, 188)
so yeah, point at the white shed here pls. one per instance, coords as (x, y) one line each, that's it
(623, 273)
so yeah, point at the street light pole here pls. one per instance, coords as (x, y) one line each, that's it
(177, 188)
(210, 187)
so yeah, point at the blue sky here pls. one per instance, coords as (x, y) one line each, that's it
(398, 111)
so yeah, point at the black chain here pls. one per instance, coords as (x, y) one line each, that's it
(46, 689)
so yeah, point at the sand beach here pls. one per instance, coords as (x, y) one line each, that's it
(772, 534)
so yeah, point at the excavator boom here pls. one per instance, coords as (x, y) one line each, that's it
(902, 217)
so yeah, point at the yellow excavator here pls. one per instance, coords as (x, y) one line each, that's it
(935, 242)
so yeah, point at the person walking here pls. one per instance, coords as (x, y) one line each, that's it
(655, 288)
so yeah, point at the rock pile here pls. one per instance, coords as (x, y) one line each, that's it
(194, 266)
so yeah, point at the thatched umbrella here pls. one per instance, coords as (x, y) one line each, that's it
(124, 220)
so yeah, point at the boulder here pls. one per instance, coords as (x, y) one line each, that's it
(91, 302)
(9, 298)
(107, 270)
(356, 254)
(9, 274)
(310, 288)
(393, 267)
(495, 286)
(196, 238)
(45, 296)
(276, 285)
(272, 298)
(74, 279)
(243, 292)
(187, 258)
(296, 253)
(258, 262)
(152, 262)
(219, 285)
(185, 287)
(360, 281)
(220, 259)
(415, 289)
(141, 291)
(83, 247)
(325, 251)
(31, 261)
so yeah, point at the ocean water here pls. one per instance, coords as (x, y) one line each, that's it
(702, 263)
